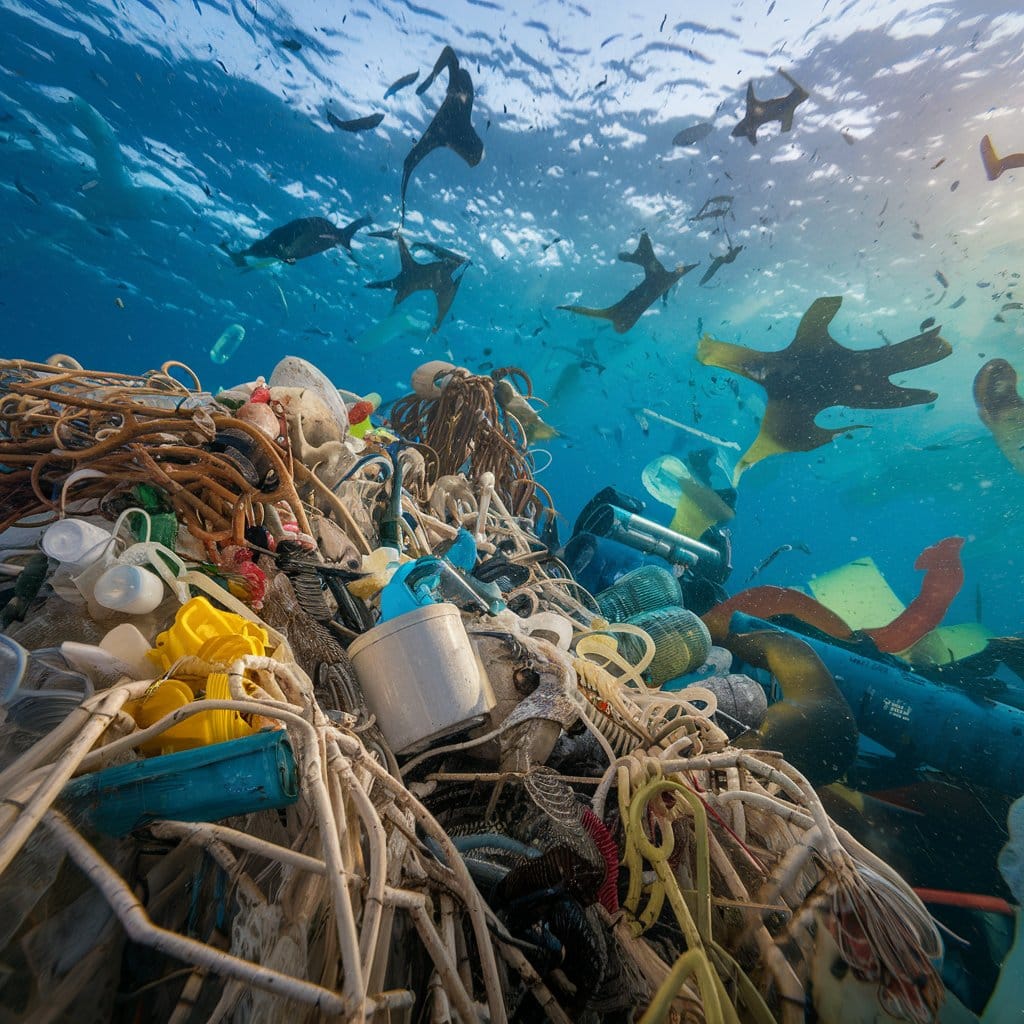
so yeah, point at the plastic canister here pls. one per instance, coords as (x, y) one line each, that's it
(421, 677)
(218, 781)
(129, 589)
(75, 542)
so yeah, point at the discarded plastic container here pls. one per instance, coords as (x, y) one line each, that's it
(129, 589)
(203, 631)
(219, 781)
(75, 542)
(227, 344)
(421, 677)
(38, 689)
(197, 730)
(968, 737)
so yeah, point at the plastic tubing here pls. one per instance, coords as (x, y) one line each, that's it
(493, 841)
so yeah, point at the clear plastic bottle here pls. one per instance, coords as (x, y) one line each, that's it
(227, 344)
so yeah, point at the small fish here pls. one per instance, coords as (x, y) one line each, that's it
(604, 81)
(291, 44)
(782, 549)
(959, 302)
(941, 278)
(401, 83)
(1011, 305)
(119, 302)
(693, 134)
(937, 165)
(662, 25)
(954, 186)
(547, 245)
(771, 7)
(925, 324)
(359, 124)
(223, 67)
(25, 192)
(318, 331)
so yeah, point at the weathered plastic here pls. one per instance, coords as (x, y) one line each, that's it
(226, 779)
(421, 677)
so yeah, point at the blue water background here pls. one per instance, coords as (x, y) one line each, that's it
(877, 190)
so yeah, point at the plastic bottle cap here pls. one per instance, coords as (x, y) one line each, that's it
(75, 541)
(130, 589)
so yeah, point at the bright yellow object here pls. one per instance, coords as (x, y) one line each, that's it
(197, 730)
(859, 594)
(949, 643)
(201, 630)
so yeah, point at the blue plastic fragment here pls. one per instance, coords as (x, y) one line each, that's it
(256, 773)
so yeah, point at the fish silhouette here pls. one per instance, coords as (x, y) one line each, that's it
(450, 126)
(657, 281)
(298, 239)
(358, 124)
(761, 112)
(441, 276)
(718, 261)
(814, 372)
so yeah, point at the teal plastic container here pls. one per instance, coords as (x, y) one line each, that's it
(256, 773)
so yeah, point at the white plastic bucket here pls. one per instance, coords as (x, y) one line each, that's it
(421, 677)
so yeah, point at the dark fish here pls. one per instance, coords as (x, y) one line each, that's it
(782, 549)
(925, 324)
(941, 278)
(938, 164)
(604, 81)
(693, 134)
(761, 112)
(959, 302)
(657, 281)
(360, 124)
(300, 238)
(719, 261)
(25, 192)
(663, 20)
(1011, 305)
(291, 44)
(547, 245)
(442, 276)
(954, 186)
(451, 125)
(401, 83)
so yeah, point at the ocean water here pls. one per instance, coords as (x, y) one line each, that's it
(137, 136)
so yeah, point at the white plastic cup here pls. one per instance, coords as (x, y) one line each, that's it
(129, 589)
(75, 542)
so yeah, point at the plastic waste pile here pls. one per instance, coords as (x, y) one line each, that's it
(300, 721)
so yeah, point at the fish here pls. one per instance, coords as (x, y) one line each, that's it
(359, 124)
(959, 302)
(451, 125)
(692, 135)
(1011, 305)
(299, 239)
(657, 280)
(719, 261)
(441, 276)
(995, 165)
(291, 44)
(925, 324)
(829, 374)
(401, 83)
(941, 278)
(761, 112)
(780, 550)
(716, 206)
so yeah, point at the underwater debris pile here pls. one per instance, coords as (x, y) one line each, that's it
(299, 722)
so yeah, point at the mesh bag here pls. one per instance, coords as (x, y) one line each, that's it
(641, 590)
(681, 642)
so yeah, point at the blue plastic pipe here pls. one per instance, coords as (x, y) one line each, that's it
(970, 738)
